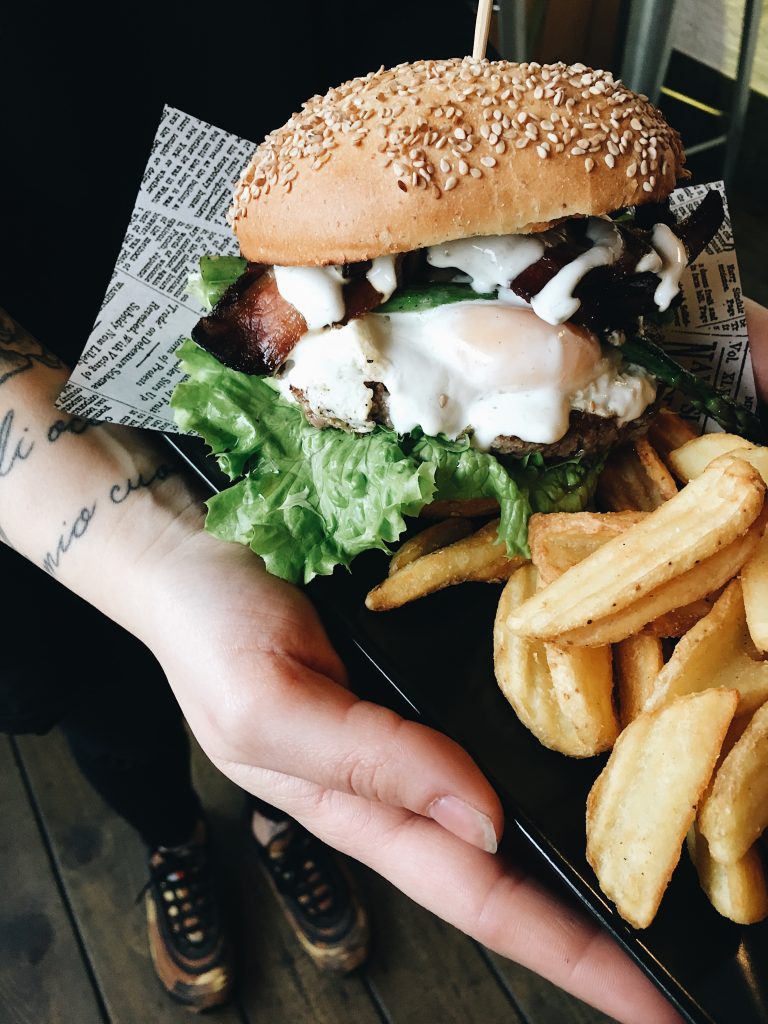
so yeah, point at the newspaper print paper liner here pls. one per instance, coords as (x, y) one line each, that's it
(128, 370)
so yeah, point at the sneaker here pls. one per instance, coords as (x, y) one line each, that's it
(316, 891)
(189, 950)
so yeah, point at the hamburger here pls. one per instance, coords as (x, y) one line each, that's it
(451, 274)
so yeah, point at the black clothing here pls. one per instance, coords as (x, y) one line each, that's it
(63, 662)
(80, 100)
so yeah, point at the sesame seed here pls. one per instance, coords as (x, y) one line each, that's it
(459, 133)
(445, 166)
(488, 161)
(634, 123)
(647, 186)
(542, 152)
(589, 163)
(450, 183)
(463, 167)
(632, 170)
(610, 161)
(475, 172)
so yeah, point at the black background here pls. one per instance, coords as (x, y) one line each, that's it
(81, 96)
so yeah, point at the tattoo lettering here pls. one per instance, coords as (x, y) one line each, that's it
(74, 426)
(19, 351)
(68, 537)
(12, 450)
(119, 492)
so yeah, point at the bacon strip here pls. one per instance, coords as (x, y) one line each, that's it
(253, 328)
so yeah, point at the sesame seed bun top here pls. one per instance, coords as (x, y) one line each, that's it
(437, 150)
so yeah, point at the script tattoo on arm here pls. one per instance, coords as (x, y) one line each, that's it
(13, 449)
(75, 425)
(119, 492)
(19, 351)
(70, 534)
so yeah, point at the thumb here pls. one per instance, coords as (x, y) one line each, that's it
(301, 723)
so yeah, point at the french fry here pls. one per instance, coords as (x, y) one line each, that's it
(692, 458)
(735, 811)
(582, 679)
(573, 715)
(678, 621)
(447, 531)
(668, 431)
(469, 508)
(644, 801)
(477, 558)
(669, 542)
(635, 478)
(560, 540)
(754, 582)
(738, 891)
(678, 593)
(638, 660)
(715, 653)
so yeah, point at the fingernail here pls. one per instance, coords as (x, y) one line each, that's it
(464, 821)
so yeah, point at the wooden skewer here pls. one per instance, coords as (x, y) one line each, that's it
(482, 28)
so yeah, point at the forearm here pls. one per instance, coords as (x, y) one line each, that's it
(90, 504)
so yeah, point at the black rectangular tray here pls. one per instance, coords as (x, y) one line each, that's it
(435, 659)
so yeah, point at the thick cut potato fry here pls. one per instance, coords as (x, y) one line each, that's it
(447, 531)
(738, 891)
(644, 801)
(676, 593)
(560, 540)
(707, 515)
(693, 458)
(754, 582)
(582, 679)
(668, 431)
(638, 661)
(573, 715)
(477, 558)
(716, 652)
(470, 508)
(635, 478)
(735, 811)
(678, 621)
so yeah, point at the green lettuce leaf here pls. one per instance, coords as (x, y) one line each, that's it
(215, 275)
(521, 487)
(567, 486)
(312, 499)
(463, 472)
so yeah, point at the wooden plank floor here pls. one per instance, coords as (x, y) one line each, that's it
(74, 943)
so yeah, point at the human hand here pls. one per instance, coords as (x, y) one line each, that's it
(266, 696)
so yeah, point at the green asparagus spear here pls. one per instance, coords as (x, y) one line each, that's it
(732, 416)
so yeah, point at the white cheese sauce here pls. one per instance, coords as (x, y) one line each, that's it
(492, 262)
(318, 292)
(674, 260)
(489, 261)
(480, 366)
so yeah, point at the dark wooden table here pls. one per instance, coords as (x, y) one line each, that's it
(73, 942)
